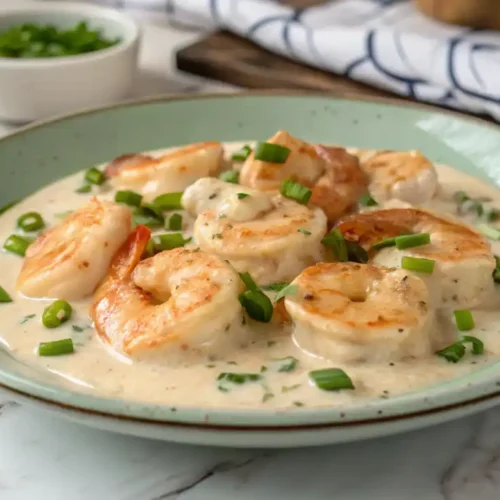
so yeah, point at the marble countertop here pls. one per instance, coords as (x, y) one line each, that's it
(42, 456)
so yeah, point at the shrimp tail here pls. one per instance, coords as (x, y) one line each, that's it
(130, 253)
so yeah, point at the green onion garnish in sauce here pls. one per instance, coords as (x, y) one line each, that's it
(232, 176)
(335, 240)
(30, 221)
(355, 252)
(331, 379)
(168, 201)
(94, 176)
(287, 364)
(130, 198)
(56, 314)
(417, 264)
(256, 303)
(275, 287)
(225, 379)
(170, 241)
(17, 244)
(56, 348)
(464, 320)
(4, 296)
(367, 201)
(174, 222)
(296, 191)
(242, 196)
(286, 292)
(387, 242)
(492, 233)
(412, 240)
(86, 188)
(272, 153)
(456, 351)
(241, 155)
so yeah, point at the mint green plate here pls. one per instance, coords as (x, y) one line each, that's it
(44, 152)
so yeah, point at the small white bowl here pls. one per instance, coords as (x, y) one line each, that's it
(31, 89)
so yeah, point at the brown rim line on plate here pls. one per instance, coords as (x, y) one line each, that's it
(256, 428)
(341, 96)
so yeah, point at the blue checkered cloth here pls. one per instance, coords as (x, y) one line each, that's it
(384, 43)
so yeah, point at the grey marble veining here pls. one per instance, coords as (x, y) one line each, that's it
(40, 452)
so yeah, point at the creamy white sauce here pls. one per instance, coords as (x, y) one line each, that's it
(96, 368)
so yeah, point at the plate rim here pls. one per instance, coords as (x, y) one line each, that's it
(486, 388)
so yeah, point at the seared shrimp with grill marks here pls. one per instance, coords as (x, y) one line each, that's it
(178, 302)
(332, 174)
(69, 260)
(399, 175)
(463, 258)
(271, 237)
(361, 312)
(170, 172)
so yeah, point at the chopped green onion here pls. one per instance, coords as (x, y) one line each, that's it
(287, 291)
(257, 305)
(170, 241)
(4, 296)
(477, 345)
(464, 320)
(143, 216)
(412, 240)
(287, 364)
(129, 198)
(388, 242)
(8, 206)
(272, 153)
(420, 265)
(226, 378)
(496, 271)
(86, 188)
(56, 314)
(267, 396)
(355, 252)
(94, 176)
(460, 197)
(232, 176)
(296, 191)
(241, 155)
(168, 201)
(30, 221)
(56, 348)
(335, 240)
(331, 379)
(17, 244)
(288, 388)
(242, 196)
(493, 215)
(453, 353)
(77, 328)
(492, 233)
(367, 201)
(276, 287)
(150, 249)
(304, 231)
(249, 282)
(174, 222)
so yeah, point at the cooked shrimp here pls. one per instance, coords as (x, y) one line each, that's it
(271, 237)
(360, 312)
(177, 301)
(333, 175)
(403, 175)
(463, 257)
(171, 172)
(69, 260)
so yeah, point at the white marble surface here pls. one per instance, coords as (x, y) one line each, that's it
(42, 456)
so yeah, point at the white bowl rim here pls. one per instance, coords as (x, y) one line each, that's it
(131, 32)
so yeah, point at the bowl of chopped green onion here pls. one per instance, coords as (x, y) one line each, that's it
(59, 57)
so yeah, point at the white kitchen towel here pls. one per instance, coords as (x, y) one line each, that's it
(384, 43)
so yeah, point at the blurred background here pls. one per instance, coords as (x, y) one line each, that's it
(444, 52)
